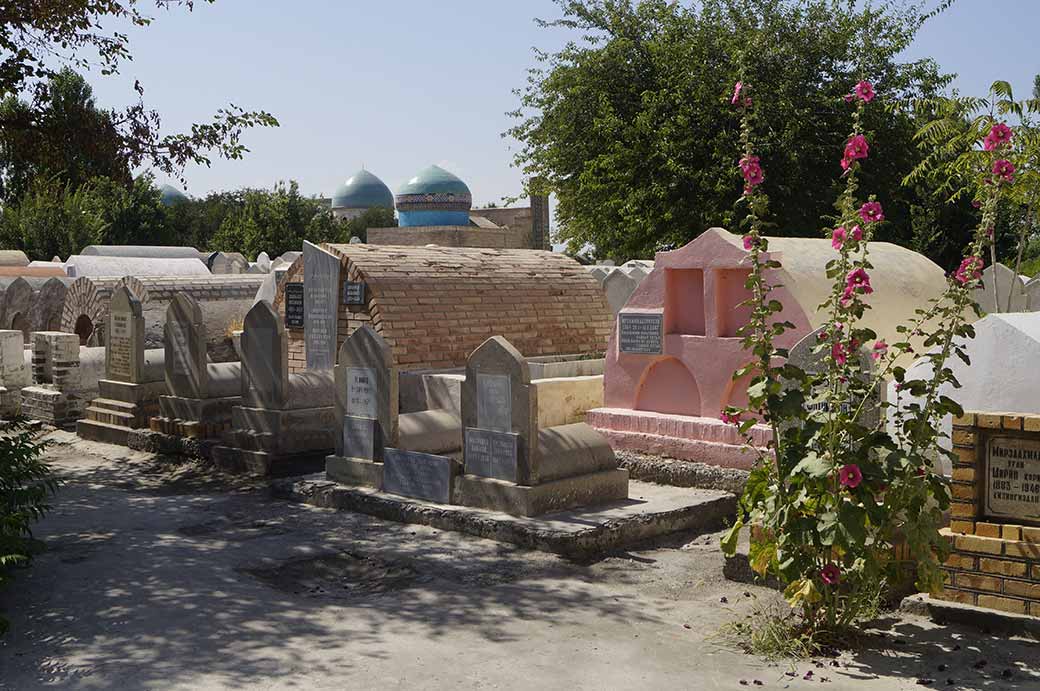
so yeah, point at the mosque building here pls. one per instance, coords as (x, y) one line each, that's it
(434, 207)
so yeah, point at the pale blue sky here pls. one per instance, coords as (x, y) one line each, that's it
(400, 84)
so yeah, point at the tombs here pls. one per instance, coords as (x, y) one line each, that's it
(134, 377)
(374, 441)
(1002, 290)
(15, 373)
(285, 424)
(675, 344)
(64, 377)
(201, 393)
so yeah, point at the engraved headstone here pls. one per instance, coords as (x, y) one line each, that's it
(366, 389)
(419, 475)
(321, 306)
(361, 438)
(1012, 478)
(295, 314)
(806, 355)
(640, 332)
(124, 356)
(265, 355)
(499, 414)
(185, 344)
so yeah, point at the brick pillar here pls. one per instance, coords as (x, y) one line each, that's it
(540, 239)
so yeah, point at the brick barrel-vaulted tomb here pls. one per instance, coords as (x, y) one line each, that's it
(85, 311)
(435, 305)
(669, 402)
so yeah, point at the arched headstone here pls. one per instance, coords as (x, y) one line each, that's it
(124, 357)
(619, 287)
(185, 343)
(265, 355)
(366, 396)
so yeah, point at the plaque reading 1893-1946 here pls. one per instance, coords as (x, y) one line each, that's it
(640, 332)
(1013, 478)
(294, 314)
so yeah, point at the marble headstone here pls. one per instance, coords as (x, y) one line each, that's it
(124, 356)
(321, 306)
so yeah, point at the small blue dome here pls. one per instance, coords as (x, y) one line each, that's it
(169, 195)
(434, 197)
(362, 190)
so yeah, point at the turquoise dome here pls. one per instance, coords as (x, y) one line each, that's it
(362, 190)
(434, 180)
(170, 195)
(434, 197)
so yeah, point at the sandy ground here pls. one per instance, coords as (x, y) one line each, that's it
(159, 576)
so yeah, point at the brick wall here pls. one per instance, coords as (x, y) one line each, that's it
(451, 236)
(435, 305)
(994, 564)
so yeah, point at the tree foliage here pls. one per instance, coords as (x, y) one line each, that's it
(275, 222)
(625, 122)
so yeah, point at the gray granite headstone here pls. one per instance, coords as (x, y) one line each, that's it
(185, 342)
(321, 306)
(419, 475)
(802, 355)
(367, 388)
(124, 354)
(265, 357)
(501, 439)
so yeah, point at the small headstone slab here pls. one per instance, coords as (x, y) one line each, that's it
(295, 315)
(491, 454)
(321, 306)
(353, 293)
(641, 333)
(185, 343)
(367, 383)
(361, 438)
(1012, 479)
(265, 356)
(419, 475)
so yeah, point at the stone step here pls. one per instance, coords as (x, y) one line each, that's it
(93, 430)
(114, 405)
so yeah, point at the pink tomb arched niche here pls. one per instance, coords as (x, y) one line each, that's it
(667, 386)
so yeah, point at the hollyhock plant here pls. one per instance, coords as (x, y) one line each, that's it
(858, 280)
(880, 348)
(857, 148)
(737, 88)
(748, 242)
(752, 171)
(1004, 169)
(730, 418)
(850, 476)
(999, 135)
(857, 233)
(871, 212)
(969, 270)
(865, 91)
(830, 574)
(838, 238)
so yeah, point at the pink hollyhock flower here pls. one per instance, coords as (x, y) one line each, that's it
(880, 348)
(822, 336)
(865, 91)
(747, 101)
(830, 574)
(838, 237)
(839, 353)
(857, 147)
(850, 476)
(857, 233)
(730, 418)
(751, 169)
(1004, 169)
(999, 135)
(858, 280)
(849, 98)
(737, 88)
(871, 212)
(970, 269)
(749, 242)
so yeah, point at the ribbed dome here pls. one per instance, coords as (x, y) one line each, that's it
(362, 190)
(434, 180)
(170, 195)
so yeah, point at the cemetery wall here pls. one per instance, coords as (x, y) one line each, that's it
(435, 305)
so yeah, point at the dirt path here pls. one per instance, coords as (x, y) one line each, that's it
(167, 577)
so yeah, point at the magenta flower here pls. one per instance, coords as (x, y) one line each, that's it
(871, 212)
(858, 280)
(865, 91)
(969, 270)
(999, 135)
(730, 418)
(1004, 169)
(856, 148)
(838, 238)
(737, 88)
(850, 476)
(880, 348)
(830, 574)
(749, 242)
(849, 98)
(751, 169)
(839, 353)
(857, 233)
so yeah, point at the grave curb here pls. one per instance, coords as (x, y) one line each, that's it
(924, 605)
(703, 513)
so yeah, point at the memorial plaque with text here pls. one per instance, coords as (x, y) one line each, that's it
(640, 333)
(491, 454)
(321, 305)
(294, 308)
(1013, 479)
(353, 293)
(180, 349)
(419, 475)
(119, 354)
(494, 402)
(362, 392)
(361, 438)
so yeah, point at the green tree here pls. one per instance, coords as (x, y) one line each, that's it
(61, 131)
(51, 219)
(38, 38)
(631, 126)
(376, 217)
(275, 222)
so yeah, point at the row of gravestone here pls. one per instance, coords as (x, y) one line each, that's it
(619, 282)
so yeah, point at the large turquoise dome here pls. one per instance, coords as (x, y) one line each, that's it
(362, 190)
(434, 197)
(170, 195)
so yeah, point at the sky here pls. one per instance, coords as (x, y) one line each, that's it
(397, 85)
